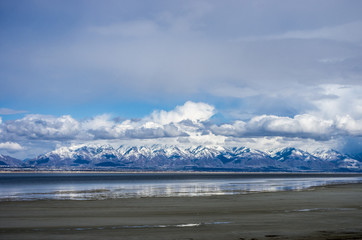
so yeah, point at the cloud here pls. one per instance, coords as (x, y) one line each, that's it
(160, 124)
(343, 100)
(335, 118)
(165, 131)
(352, 126)
(10, 146)
(190, 120)
(180, 51)
(272, 69)
(345, 32)
(196, 112)
(305, 125)
(104, 127)
(331, 60)
(269, 143)
(191, 124)
(135, 29)
(301, 126)
(8, 111)
(41, 127)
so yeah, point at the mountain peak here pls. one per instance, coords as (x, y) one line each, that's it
(201, 158)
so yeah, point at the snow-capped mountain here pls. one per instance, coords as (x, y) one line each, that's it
(202, 158)
(155, 157)
(296, 159)
(9, 162)
(339, 159)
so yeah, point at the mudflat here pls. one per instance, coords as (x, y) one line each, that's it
(332, 212)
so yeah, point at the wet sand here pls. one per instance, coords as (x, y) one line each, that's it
(333, 212)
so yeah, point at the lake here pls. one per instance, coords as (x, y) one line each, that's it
(100, 186)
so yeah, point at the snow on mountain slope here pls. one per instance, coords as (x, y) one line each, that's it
(7, 161)
(341, 160)
(170, 157)
(297, 159)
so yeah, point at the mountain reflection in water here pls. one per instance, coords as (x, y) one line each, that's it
(16, 187)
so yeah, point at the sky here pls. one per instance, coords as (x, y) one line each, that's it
(261, 74)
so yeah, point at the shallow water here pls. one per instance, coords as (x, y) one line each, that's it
(98, 186)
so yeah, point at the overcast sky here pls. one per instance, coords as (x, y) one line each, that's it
(263, 74)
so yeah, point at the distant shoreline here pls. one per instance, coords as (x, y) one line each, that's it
(176, 172)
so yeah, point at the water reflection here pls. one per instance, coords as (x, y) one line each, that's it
(161, 188)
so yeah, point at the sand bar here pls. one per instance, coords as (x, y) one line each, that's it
(333, 212)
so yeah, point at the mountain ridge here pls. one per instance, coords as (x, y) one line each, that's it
(178, 158)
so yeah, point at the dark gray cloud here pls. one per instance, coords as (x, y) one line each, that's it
(180, 49)
(274, 70)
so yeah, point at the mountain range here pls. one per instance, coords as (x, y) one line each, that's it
(177, 158)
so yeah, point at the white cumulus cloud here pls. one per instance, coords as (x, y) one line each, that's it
(350, 125)
(301, 125)
(13, 146)
(42, 127)
(196, 112)
(160, 124)
(189, 123)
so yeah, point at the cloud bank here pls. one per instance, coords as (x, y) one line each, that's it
(190, 123)
(160, 124)
(301, 126)
(184, 120)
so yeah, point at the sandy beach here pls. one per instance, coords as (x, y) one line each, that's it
(332, 212)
